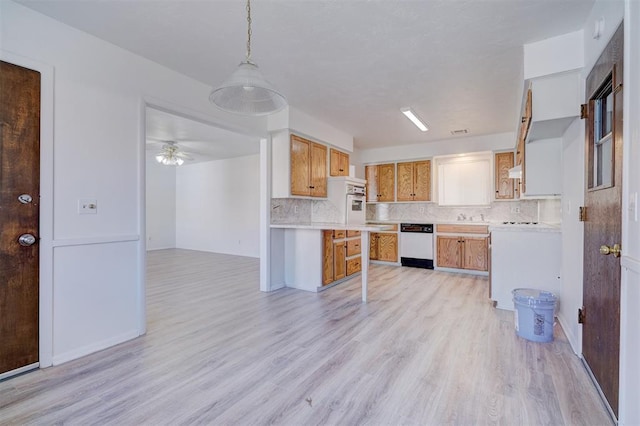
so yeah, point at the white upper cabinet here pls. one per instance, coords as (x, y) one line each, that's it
(464, 181)
(555, 104)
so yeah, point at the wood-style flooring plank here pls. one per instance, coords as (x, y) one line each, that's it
(427, 349)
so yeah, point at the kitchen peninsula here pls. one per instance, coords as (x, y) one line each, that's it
(297, 253)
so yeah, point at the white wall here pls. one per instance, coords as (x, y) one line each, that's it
(553, 55)
(612, 11)
(100, 92)
(161, 205)
(630, 314)
(572, 232)
(218, 206)
(497, 142)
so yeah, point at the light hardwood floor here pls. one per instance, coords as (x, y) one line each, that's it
(426, 349)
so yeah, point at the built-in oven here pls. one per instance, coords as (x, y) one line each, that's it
(356, 213)
(416, 245)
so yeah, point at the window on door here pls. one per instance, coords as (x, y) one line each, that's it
(601, 137)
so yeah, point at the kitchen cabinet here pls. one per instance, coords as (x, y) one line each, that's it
(338, 163)
(464, 181)
(414, 181)
(339, 260)
(341, 252)
(381, 180)
(383, 246)
(461, 250)
(503, 161)
(308, 168)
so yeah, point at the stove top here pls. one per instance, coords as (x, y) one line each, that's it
(519, 223)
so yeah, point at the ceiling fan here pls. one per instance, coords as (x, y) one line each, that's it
(171, 155)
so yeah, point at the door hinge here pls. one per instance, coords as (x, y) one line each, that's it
(584, 111)
(582, 214)
(582, 316)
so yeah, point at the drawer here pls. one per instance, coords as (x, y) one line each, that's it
(354, 265)
(353, 247)
(462, 229)
(353, 234)
(339, 233)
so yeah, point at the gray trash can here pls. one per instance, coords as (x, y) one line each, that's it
(534, 314)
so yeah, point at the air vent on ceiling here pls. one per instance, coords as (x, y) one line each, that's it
(459, 132)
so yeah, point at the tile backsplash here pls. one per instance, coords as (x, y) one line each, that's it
(306, 210)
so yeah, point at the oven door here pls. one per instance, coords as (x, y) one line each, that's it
(355, 209)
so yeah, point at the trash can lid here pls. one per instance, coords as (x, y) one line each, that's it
(528, 295)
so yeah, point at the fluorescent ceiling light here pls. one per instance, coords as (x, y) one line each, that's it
(414, 119)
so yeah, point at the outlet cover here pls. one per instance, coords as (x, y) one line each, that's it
(87, 206)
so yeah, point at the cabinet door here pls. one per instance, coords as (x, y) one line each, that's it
(503, 161)
(318, 170)
(338, 163)
(373, 245)
(371, 174)
(339, 260)
(300, 166)
(388, 247)
(327, 257)
(449, 252)
(405, 182)
(421, 180)
(386, 182)
(476, 254)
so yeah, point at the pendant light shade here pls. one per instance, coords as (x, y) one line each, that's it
(247, 92)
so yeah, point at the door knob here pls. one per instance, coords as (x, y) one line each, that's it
(26, 240)
(606, 250)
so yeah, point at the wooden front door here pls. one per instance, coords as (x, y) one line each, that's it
(602, 230)
(19, 218)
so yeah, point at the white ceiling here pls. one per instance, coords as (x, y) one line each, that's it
(201, 141)
(350, 63)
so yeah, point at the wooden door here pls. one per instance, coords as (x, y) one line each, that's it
(503, 161)
(422, 180)
(371, 174)
(475, 254)
(388, 247)
(339, 260)
(386, 182)
(449, 252)
(327, 257)
(300, 166)
(603, 197)
(19, 182)
(405, 182)
(318, 178)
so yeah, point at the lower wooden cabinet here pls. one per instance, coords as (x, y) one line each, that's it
(462, 252)
(341, 254)
(383, 246)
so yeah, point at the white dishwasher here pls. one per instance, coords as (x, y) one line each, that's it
(416, 245)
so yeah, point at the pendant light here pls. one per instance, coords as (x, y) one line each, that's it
(246, 91)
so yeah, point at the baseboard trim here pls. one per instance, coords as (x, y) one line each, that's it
(95, 347)
(572, 338)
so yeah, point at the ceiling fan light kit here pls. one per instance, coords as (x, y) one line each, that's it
(170, 155)
(246, 91)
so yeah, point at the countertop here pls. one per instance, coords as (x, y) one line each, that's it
(328, 225)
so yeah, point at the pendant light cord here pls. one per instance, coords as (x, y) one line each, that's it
(248, 30)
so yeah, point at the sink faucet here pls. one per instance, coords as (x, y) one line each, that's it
(481, 218)
(462, 217)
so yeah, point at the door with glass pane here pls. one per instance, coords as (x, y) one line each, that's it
(602, 230)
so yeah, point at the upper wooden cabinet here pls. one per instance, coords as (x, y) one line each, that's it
(414, 181)
(525, 125)
(308, 168)
(503, 161)
(338, 163)
(381, 182)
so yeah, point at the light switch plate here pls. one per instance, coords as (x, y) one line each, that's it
(87, 206)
